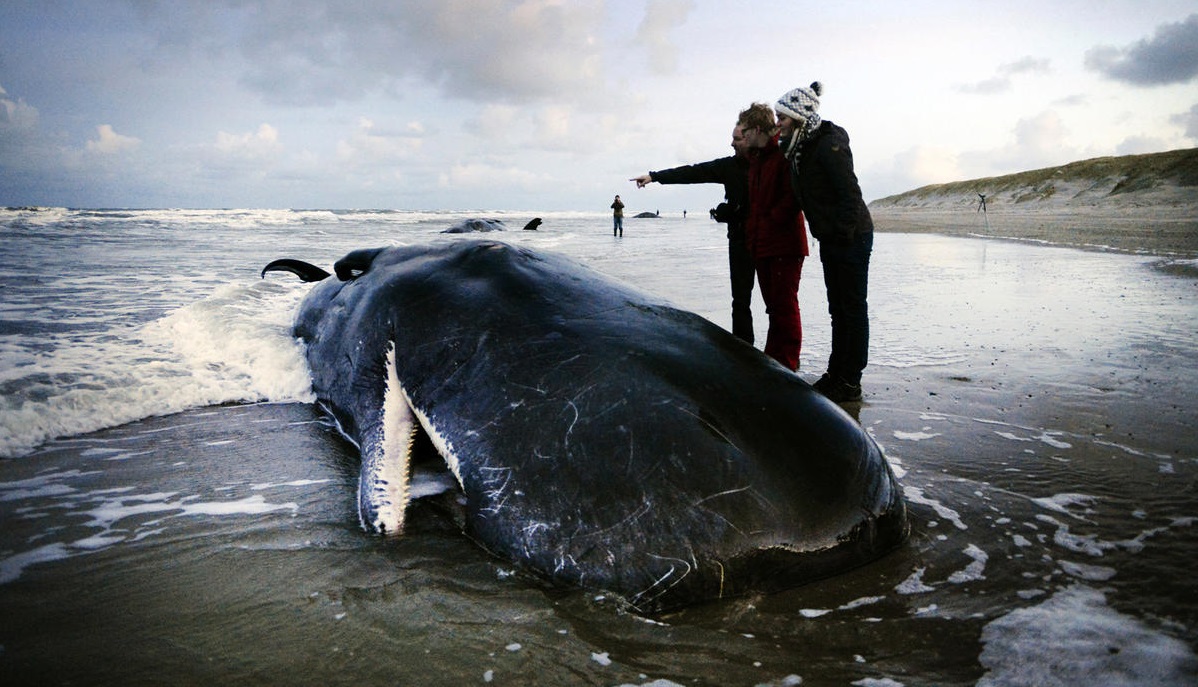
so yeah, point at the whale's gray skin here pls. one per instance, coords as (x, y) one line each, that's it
(601, 437)
(470, 226)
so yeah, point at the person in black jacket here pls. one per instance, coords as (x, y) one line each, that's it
(830, 197)
(617, 217)
(733, 173)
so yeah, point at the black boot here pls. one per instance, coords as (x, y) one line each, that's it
(838, 390)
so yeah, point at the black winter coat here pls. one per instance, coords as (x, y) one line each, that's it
(827, 188)
(731, 171)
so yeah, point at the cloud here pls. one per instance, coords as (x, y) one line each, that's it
(1074, 100)
(920, 166)
(1002, 81)
(1039, 136)
(661, 18)
(313, 52)
(1169, 57)
(1040, 141)
(110, 142)
(1188, 120)
(16, 115)
(494, 122)
(554, 125)
(475, 176)
(24, 156)
(372, 145)
(261, 143)
(991, 86)
(1136, 145)
(1027, 65)
(252, 155)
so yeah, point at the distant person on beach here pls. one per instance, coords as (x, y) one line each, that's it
(617, 216)
(733, 173)
(828, 193)
(774, 234)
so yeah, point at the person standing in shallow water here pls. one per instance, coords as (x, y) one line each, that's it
(617, 217)
(826, 187)
(733, 173)
(774, 234)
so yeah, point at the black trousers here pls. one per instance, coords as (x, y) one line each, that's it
(846, 276)
(741, 271)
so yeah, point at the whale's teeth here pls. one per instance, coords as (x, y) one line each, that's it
(443, 446)
(384, 484)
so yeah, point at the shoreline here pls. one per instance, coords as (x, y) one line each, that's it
(1166, 232)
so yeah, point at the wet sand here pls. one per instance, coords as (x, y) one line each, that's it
(1168, 231)
(1078, 358)
(1037, 401)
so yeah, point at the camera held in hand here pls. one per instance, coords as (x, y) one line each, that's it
(725, 212)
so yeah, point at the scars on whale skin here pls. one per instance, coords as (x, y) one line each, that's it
(602, 438)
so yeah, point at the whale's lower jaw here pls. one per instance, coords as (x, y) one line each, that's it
(384, 484)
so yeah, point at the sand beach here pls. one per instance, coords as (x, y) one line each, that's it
(1035, 400)
(1139, 204)
(1164, 230)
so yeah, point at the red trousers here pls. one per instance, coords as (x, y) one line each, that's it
(778, 279)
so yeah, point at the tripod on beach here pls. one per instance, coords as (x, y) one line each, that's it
(982, 209)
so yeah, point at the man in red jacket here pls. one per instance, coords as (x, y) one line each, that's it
(774, 234)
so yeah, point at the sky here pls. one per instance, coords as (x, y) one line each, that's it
(555, 104)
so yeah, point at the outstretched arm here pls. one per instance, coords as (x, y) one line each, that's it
(643, 180)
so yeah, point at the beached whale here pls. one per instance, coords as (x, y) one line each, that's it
(476, 225)
(601, 437)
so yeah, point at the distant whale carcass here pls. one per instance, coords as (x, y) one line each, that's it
(470, 226)
(602, 438)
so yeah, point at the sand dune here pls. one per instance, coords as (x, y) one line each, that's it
(1133, 203)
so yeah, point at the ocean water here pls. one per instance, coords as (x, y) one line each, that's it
(175, 509)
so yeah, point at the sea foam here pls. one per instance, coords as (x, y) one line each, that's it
(233, 345)
(1074, 638)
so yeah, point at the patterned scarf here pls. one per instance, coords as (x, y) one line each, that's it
(793, 148)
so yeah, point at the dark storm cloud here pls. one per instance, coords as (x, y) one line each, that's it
(1169, 57)
(317, 51)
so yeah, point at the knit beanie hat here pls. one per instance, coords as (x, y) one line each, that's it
(801, 104)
